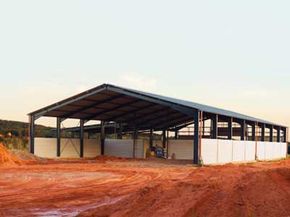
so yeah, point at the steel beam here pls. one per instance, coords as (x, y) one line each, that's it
(183, 109)
(31, 133)
(92, 105)
(157, 119)
(37, 114)
(167, 123)
(117, 117)
(112, 109)
(82, 138)
(58, 136)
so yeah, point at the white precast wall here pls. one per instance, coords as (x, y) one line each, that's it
(183, 149)
(216, 151)
(124, 148)
(70, 148)
(45, 147)
(271, 150)
(225, 151)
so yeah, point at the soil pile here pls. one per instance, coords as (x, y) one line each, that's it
(6, 158)
(26, 156)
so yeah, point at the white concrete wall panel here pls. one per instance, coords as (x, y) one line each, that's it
(268, 150)
(139, 150)
(283, 150)
(261, 150)
(45, 147)
(225, 151)
(183, 149)
(250, 149)
(239, 151)
(209, 151)
(70, 148)
(119, 148)
(92, 147)
(124, 148)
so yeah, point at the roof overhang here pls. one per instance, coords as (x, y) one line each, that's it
(135, 108)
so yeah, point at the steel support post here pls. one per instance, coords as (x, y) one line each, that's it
(31, 133)
(243, 130)
(135, 136)
(58, 136)
(278, 134)
(151, 139)
(285, 134)
(254, 132)
(215, 127)
(271, 133)
(82, 123)
(196, 139)
(176, 134)
(230, 129)
(263, 132)
(164, 138)
(103, 135)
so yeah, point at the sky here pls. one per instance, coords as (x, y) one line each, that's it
(229, 54)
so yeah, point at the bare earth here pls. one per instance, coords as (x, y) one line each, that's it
(119, 187)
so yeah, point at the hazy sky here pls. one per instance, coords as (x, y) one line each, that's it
(229, 54)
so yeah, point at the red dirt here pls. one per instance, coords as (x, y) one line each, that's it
(120, 187)
(6, 158)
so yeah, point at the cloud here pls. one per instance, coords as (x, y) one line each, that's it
(137, 81)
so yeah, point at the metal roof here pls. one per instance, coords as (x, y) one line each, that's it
(107, 101)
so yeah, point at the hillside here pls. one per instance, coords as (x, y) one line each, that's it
(20, 129)
(14, 134)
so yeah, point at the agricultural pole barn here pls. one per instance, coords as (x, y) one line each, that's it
(218, 136)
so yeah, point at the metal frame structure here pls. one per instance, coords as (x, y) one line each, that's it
(137, 111)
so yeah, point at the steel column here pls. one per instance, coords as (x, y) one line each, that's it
(164, 138)
(31, 133)
(103, 132)
(263, 132)
(151, 139)
(176, 134)
(215, 127)
(254, 132)
(243, 130)
(278, 134)
(230, 129)
(58, 136)
(135, 136)
(196, 139)
(82, 123)
(271, 133)
(285, 134)
(120, 131)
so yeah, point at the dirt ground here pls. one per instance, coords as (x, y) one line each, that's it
(119, 187)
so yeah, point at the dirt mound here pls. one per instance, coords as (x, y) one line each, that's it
(25, 156)
(6, 158)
